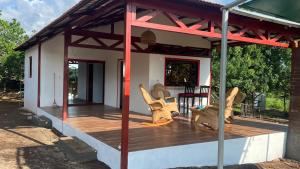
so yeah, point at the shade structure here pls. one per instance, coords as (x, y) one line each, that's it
(278, 11)
(284, 9)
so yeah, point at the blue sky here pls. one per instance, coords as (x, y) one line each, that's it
(35, 14)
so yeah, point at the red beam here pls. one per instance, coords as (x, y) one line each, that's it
(210, 33)
(39, 75)
(213, 13)
(67, 40)
(129, 13)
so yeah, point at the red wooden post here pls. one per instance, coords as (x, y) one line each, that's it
(39, 75)
(67, 41)
(129, 13)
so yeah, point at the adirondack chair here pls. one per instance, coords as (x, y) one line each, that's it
(209, 115)
(159, 108)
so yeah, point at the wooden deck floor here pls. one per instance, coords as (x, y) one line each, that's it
(104, 123)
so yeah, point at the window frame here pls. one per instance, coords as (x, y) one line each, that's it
(183, 60)
(30, 67)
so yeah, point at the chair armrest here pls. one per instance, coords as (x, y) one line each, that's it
(170, 99)
(157, 104)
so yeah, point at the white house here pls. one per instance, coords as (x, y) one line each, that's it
(87, 64)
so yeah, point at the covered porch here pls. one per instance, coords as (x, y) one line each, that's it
(119, 135)
(100, 127)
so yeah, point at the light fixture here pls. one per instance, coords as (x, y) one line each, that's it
(148, 37)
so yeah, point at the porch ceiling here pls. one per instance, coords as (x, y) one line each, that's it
(92, 13)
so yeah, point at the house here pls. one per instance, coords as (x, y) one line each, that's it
(83, 70)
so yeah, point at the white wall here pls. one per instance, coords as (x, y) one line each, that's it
(156, 73)
(52, 63)
(31, 84)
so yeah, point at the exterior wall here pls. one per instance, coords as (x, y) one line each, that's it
(157, 66)
(30, 84)
(52, 63)
(139, 74)
(255, 149)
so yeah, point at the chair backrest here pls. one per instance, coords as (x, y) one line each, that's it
(145, 94)
(230, 96)
(159, 91)
(204, 89)
(189, 88)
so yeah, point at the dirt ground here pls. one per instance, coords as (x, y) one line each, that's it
(25, 146)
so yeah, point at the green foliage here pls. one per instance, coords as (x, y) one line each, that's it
(11, 62)
(256, 69)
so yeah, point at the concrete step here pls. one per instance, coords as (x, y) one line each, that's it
(77, 150)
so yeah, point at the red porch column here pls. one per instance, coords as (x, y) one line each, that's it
(39, 75)
(293, 140)
(67, 40)
(129, 13)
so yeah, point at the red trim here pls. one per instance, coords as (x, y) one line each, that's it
(117, 40)
(181, 59)
(129, 14)
(210, 18)
(67, 40)
(39, 75)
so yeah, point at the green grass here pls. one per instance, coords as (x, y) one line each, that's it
(273, 103)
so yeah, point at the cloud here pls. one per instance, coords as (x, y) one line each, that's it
(34, 14)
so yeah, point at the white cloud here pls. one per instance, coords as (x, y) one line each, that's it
(34, 14)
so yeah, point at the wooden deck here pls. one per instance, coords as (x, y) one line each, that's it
(104, 123)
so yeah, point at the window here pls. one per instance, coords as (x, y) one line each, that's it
(179, 71)
(30, 67)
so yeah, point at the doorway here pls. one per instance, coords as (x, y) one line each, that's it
(86, 82)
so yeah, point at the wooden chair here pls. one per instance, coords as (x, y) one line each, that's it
(209, 115)
(203, 93)
(189, 93)
(159, 108)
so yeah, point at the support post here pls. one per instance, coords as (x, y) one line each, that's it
(222, 88)
(39, 75)
(293, 137)
(129, 13)
(67, 40)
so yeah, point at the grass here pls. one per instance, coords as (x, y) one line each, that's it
(274, 108)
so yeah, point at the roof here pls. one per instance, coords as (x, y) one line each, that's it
(279, 11)
(111, 11)
(92, 13)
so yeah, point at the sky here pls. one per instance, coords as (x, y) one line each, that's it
(36, 14)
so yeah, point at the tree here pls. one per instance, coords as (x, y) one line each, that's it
(11, 61)
(256, 69)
